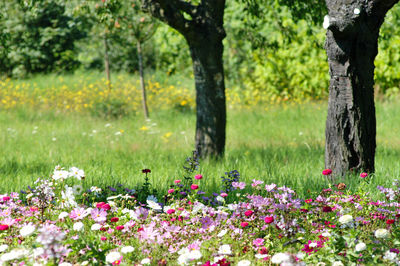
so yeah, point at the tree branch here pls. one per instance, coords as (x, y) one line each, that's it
(171, 12)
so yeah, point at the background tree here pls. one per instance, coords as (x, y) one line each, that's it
(141, 28)
(201, 23)
(352, 45)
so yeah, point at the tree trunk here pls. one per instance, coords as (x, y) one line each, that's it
(206, 51)
(351, 46)
(144, 99)
(107, 62)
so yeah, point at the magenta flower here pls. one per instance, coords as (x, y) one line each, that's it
(363, 175)
(170, 191)
(170, 211)
(194, 187)
(198, 177)
(78, 214)
(327, 172)
(258, 242)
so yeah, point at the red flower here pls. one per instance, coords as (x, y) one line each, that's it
(269, 219)
(389, 221)
(170, 191)
(145, 171)
(103, 238)
(194, 187)
(326, 209)
(105, 207)
(263, 250)
(103, 229)
(244, 224)
(327, 172)
(308, 200)
(114, 219)
(363, 175)
(198, 177)
(140, 229)
(4, 227)
(119, 227)
(248, 213)
(177, 181)
(170, 211)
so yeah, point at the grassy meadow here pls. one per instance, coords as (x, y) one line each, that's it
(279, 143)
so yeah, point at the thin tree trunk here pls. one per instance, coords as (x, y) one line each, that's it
(210, 95)
(351, 46)
(107, 62)
(142, 84)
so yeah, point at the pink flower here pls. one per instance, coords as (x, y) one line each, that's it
(258, 242)
(248, 213)
(170, 211)
(103, 238)
(99, 215)
(223, 194)
(194, 187)
(177, 181)
(363, 175)
(240, 185)
(170, 191)
(327, 172)
(198, 177)
(269, 219)
(244, 224)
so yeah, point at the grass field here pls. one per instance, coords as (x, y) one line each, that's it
(284, 145)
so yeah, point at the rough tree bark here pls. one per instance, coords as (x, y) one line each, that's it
(352, 45)
(204, 33)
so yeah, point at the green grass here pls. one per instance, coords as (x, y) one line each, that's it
(284, 145)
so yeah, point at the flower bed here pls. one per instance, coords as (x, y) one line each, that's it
(243, 224)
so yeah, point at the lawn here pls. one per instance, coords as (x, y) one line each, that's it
(283, 144)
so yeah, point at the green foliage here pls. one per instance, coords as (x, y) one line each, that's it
(37, 36)
(110, 109)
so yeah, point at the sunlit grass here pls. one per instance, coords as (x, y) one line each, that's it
(284, 145)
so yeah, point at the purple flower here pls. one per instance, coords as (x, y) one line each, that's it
(270, 188)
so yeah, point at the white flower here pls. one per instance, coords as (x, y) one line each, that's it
(183, 259)
(107, 125)
(27, 230)
(113, 256)
(79, 226)
(279, 258)
(312, 245)
(65, 264)
(118, 133)
(14, 254)
(95, 227)
(145, 261)
(77, 173)
(3, 248)
(77, 189)
(225, 250)
(85, 263)
(326, 234)
(220, 199)
(337, 263)
(62, 215)
(356, 11)
(197, 207)
(390, 255)
(244, 263)
(194, 254)
(95, 189)
(345, 219)
(222, 233)
(261, 256)
(326, 22)
(127, 249)
(60, 174)
(38, 252)
(381, 233)
(153, 205)
(360, 247)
